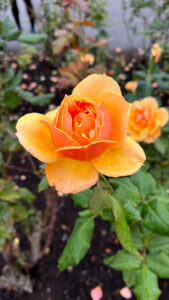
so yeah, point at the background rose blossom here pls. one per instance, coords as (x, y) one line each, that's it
(146, 120)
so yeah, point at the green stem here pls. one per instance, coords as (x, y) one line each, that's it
(107, 183)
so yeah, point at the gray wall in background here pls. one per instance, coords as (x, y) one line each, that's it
(115, 25)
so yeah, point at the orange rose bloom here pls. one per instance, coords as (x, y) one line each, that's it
(146, 120)
(87, 58)
(131, 86)
(84, 136)
(156, 52)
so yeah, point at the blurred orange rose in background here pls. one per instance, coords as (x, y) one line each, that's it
(156, 52)
(87, 58)
(85, 136)
(146, 120)
(131, 86)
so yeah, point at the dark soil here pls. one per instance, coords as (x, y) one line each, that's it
(77, 282)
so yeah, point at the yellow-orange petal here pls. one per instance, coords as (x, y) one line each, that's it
(152, 137)
(93, 85)
(162, 116)
(119, 109)
(124, 161)
(71, 176)
(52, 113)
(87, 152)
(36, 137)
(149, 102)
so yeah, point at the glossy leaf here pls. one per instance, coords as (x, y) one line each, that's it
(122, 228)
(125, 190)
(78, 243)
(144, 182)
(123, 260)
(43, 185)
(156, 216)
(98, 201)
(81, 199)
(159, 264)
(32, 38)
(11, 100)
(158, 244)
(146, 285)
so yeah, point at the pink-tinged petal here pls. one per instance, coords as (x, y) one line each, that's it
(93, 85)
(96, 293)
(126, 293)
(71, 176)
(36, 137)
(124, 161)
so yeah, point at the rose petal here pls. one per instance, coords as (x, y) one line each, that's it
(35, 137)
(126, 293)
(119, 109)
(120, 162)
(71, 176)
(162, 116)
(96, 293)
(85, 153)
(93, 85)
(149, 102)
(62, 139)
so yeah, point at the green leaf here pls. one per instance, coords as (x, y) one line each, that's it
(78, 243)
(10, 32)
(9, 144)
(15, 82)
(43, 185)
(32, 38)
(158, 244)
(161, 144)
(85, 213)
(131, 212)
(26, 195)
(98, 201)
(7, 191)
(11, 100)
(146, 285)
(125, 190)
(81, 199)
(156, 216)
(140, 74)
(123, 261)
(144, 89)
(9, 74)
(144, 182)
(34, 100)
(129, 277)
(122, 229)
(159, 264)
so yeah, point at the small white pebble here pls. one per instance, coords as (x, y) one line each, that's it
(22, 177)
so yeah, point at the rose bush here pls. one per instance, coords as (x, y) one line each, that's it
(146, 120)
(85, 136)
